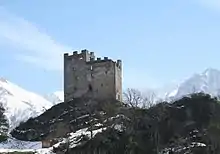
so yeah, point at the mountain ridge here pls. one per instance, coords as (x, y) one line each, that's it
(20, 104)
(207, 81)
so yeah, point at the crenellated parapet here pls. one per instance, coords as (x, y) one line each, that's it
(89, 57)
(84, 55)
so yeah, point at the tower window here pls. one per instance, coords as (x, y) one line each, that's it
(102, 85)
(90, 87)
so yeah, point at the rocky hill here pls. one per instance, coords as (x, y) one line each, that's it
(62, 119)
(189, 125)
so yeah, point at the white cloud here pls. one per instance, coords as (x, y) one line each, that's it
(34, 46)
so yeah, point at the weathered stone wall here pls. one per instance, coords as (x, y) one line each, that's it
(75, 74)
(102, 82)
(118, 80)
(85, 76)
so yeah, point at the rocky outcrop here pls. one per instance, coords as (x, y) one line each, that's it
(189, 125)
(62, 119)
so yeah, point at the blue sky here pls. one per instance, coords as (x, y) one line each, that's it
(158, 41)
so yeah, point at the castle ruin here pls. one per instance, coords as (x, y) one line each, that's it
(85, 76)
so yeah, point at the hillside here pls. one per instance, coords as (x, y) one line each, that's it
(189, 125)
(62, 119)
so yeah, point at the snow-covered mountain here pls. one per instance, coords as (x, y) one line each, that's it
(20, 104)
(208, 82)
(56, 97)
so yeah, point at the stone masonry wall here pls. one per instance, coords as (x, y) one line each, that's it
(85, 76)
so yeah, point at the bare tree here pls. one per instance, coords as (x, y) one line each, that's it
(149, 100)
(135, 98)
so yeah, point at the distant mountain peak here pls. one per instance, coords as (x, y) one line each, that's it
(207, 81)
(55, 97)
(3, 80)
(209, 71)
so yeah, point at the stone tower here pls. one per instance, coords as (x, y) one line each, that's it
(89, 77)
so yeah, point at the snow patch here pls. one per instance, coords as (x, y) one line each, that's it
(14, 145)
(75, 137)
(39, 151)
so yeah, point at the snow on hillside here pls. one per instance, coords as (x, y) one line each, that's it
(13, 143)
(56, 97)
(208, 82)
(38, 151)
(20, 104)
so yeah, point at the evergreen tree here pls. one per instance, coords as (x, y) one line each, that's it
(3, 124)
